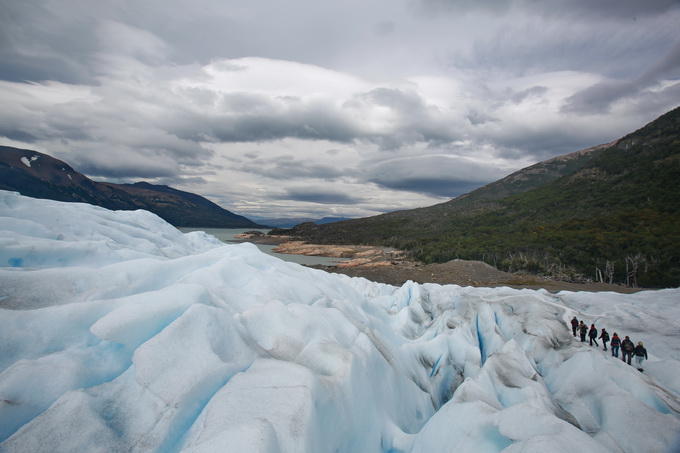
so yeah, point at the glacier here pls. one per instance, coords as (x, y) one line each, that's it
(120, 333)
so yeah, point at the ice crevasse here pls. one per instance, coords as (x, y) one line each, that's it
(120, 333)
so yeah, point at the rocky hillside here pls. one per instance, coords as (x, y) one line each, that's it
(38, 175)
(609, 213)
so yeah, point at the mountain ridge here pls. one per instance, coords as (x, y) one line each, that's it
(606, 213)
(289, 222)
(39, 175)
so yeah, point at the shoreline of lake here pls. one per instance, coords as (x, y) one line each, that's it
(391, 266)
(267, 244)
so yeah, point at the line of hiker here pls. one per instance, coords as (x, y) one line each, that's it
(628, 349)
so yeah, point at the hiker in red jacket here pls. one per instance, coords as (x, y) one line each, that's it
(616, 344)
(574, 325)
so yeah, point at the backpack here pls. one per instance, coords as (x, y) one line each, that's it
(605, 336)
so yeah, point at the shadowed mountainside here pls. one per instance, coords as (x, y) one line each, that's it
(38, 175)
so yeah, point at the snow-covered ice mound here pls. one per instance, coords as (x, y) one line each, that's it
(119, 333)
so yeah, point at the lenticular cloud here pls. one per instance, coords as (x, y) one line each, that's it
(119, 333)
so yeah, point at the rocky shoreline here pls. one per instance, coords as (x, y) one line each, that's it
(391, 266)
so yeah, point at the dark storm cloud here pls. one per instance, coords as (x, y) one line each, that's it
(320, 195)
(410, 118)
(438, 187)
(288, 167)
(133, 168)
(477, 118)
(607, 47)
(394, 99)
(268, 120)
(17, 134)
(19, 68)
(599, 97)
(251, 117)
(587, 8)
(533, 92)
(67, 32)
(435, 175)
(404, 116)
(44, 41)
(524, 138)
(540, 144)
(33, 125)
(606, 8)
(64, 40)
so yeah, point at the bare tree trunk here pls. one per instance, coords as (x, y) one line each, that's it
(631, 273)
(609, 271)
(598, 276)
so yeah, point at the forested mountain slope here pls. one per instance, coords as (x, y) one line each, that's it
(610, 212)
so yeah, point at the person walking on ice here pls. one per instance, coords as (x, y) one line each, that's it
(574, 325)
(640, 355)
(593, 335)
(627, 348)
(604, 336)
(616, 344)
(583, 330)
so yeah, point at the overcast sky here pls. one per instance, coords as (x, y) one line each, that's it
(313, 107)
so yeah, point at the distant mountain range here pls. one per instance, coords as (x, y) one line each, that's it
(289, 222)
(38, 175)
(609, 213)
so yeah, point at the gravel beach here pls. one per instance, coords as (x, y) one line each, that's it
(390, 266)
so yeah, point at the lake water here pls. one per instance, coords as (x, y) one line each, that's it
(228, 236)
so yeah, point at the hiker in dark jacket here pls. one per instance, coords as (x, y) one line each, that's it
(593, 335)
(574, 325)
(616, 344)
(604, 336)
(627, 348)
(640, 355)
(583, 330)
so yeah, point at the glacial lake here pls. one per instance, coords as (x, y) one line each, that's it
(228, 236)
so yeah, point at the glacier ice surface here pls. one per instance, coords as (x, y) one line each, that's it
(120, 333)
